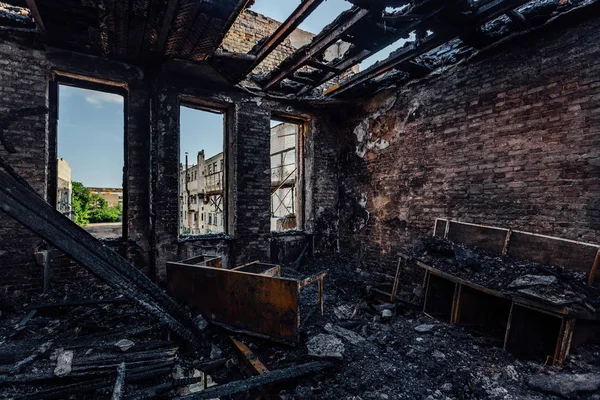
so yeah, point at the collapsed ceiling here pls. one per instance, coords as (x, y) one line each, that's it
(429, 34)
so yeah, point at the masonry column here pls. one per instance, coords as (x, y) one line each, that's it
(251, 181)
(164, 179)
(137, 175)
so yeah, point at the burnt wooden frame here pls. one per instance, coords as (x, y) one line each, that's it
(544, 249)
(303, 126)
(227, 110)
(579, 256)
(58, 77)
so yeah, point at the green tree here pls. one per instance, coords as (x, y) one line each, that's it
(80, 202)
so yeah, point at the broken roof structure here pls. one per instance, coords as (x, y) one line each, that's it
(435, 35)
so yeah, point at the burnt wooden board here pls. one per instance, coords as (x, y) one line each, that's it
(485, 237)
(552, 251)
(440, 227)
(264, 305)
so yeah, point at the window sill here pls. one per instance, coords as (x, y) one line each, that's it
(291, 232)
(203, 237)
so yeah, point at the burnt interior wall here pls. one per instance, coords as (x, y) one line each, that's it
(23, 85)
(152, 100)
(508, 140)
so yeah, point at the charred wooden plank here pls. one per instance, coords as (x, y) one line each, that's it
(31, 358)
(37, 17)
(166, 26)
(267, 378)
(78, 304)
(39, 216)
(317, 46)
(21, 325)
(119, 388)
(249, 359)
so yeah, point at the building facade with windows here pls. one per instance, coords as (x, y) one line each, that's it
(201, 196)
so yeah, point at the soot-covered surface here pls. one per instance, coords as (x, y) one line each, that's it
(378, 351)
(550, 284)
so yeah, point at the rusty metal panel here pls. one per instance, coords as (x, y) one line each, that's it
(259, 304)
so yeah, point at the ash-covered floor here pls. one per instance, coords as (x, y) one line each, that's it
(378, 351)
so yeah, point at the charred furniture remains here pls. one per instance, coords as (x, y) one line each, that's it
(535, 311)
(252, 298)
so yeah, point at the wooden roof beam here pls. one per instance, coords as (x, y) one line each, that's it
(321, 43)
(285, 29)
(37, 18)
(485, 13)
(351, 61)
(166, 26)
(517, 17)
(399, 57)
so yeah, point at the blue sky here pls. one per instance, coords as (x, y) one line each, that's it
(90, 136)
(199, 130)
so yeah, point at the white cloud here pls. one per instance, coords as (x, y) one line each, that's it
(98, 99)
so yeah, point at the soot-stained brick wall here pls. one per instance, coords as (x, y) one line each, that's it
(511, 139)
(22, 85)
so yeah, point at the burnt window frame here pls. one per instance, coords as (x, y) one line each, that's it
(55, 80)
(227, 110)
(303, 124)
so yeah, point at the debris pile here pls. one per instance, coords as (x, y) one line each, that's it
(95, 345)
(554, 285)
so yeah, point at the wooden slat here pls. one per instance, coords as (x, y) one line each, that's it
(37, 17)
(256, 303)
(485, 237)
(166, 26)
(552, 251)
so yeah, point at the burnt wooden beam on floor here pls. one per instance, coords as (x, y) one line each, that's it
(40, 217)
(254, 382)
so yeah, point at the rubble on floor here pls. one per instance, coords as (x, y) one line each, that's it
(405, 356)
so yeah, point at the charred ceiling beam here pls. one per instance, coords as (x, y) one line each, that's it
(37, 18)
(166, 26)
(320, 44)
(238, 8)
(285, 29)
(413, 22)
(517, 17)
(397, 58)
(485, 13)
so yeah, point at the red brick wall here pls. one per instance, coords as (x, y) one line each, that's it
(511, 139)
(248, 29)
